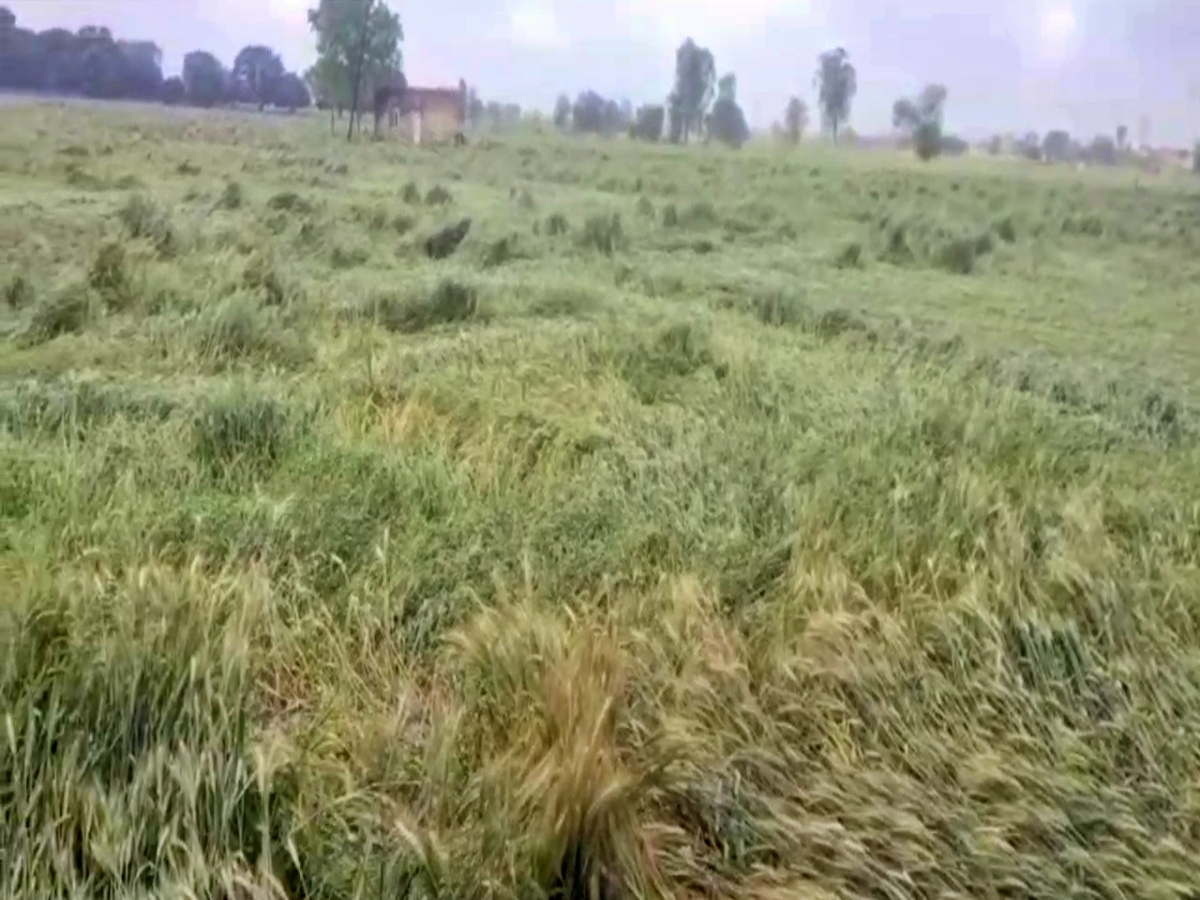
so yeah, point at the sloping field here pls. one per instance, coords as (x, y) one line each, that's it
(764, 525)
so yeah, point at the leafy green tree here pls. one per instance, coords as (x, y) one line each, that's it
(922, 120)
(695, 78)
(648, 123)
(795, 119)
(358, 42)
(837, 84)
(203, 78)
(1122, 137)
(1103, 151)
(562, 112)
(1056, 146)
(259, 70)
(290, 92)
(727, 123)
(173, 91)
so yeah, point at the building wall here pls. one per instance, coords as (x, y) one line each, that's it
(440, 121)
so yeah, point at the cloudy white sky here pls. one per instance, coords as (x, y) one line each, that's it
(1084, 65)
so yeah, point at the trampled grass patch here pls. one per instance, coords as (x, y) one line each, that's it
(783, 521)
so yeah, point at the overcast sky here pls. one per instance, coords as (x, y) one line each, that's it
(1083, 65)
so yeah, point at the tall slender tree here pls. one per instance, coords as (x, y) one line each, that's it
(837, 83)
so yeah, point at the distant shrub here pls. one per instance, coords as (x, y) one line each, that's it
(68, 311)
(699, 214)
(187, 167)
(1006, 230)
(263, 274)
(604, 233)
(17, 291)
(850, 256)
(144, 219)
(556, 224)
(500, 251)
(289, 201)
(348, 254)
(438, 196)
(835, 322)
(239, 330)
(240, 430)
(108, 275)
(411, 194)
(779, 309)
(374, 217)
(927, 140)
(450, 301)
(670, 216)
(232, 196)
(645, 207)
(403, 224)
(525, 199)
(957, 254)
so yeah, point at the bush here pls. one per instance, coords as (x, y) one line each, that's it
(438, 196)
(67, 312)
(645, 207)
(670, 216)
(403, 224)
(556, 224)
(957, 255)
(411, 194)
(108, 275)
(239, 330)
(289, 201)
(144, 220)
(850, 256)
(232, 196)
(604, 233)
(17, 291)
(240, 430)
(1006, 230)
(927, 140)
(450, 301)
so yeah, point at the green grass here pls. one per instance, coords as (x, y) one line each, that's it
(759, 524)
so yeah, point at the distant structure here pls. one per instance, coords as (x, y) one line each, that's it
(426, 114)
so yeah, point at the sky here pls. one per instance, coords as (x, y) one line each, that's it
(1010, 65)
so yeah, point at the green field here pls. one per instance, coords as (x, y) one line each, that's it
(764, 524)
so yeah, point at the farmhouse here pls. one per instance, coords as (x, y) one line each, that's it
(430, 114)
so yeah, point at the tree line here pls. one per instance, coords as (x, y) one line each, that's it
(704, 106)
(92, 63)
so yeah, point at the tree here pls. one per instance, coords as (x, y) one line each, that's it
(203, 78)
(648, 123)
(1196, 158)
(590, 114)
(837, 83)
(727, 122)
(922, 120)
(562, 112)
(1122, 137)
(1103, 150)
(1030, 146)
(358, 42)
(675, 117)
(795, 119)
(290, 92)
(475, 108)
(1056, 147)
(258, 69)
(695, 77)
(173, 91)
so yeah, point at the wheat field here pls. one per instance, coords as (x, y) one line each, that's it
(764, 524)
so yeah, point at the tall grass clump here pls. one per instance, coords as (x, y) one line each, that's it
(241, 430)
(144, 219)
